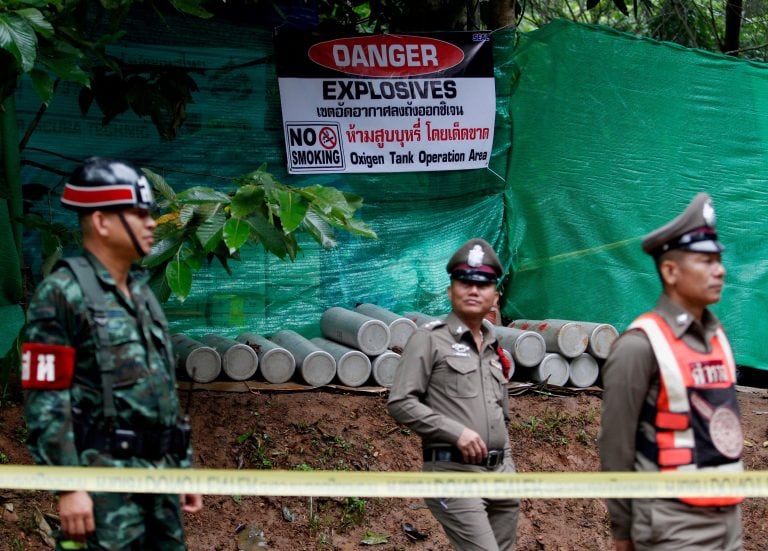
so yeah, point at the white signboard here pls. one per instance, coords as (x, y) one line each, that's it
(386, 103)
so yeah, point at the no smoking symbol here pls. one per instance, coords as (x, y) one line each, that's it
(328, 138)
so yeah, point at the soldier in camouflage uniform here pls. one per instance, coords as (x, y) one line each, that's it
(98, 369)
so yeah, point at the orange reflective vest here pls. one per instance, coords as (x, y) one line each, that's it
(696, 415)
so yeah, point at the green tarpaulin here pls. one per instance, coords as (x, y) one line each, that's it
(600, 137)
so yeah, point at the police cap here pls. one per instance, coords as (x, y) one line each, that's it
(107, 184)
(475, 261)
(693, 230)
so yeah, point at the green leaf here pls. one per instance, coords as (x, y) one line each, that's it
(199, 194)
(622, 6)
(247, 200)
(293, 208)
(186, 213)
(159, 184)
(192, 7)
(49, 243)
(210, 231)
(63, 60)
(42, 84)
(236, 233)
(163, 250)
(193, 256)
(270, 237)
(178, 274)
(115, 4)
(43, 3)
(262, 178)
(51, 259)
(159, 285)
(320, 230)
(358, 227)
(374, 538)
(19, 38)
(37, 21)
(355, 202)
(221, 253)
(328, 200)
(11, 322)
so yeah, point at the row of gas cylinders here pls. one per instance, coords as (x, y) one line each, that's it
(357, 347)
(362, 347)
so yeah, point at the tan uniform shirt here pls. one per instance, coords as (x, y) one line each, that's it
(444, 384)
(631, 377)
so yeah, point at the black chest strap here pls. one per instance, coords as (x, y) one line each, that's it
(98, 319)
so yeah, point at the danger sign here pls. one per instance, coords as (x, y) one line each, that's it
(386, 103)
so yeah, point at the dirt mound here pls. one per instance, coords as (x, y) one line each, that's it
(323, 430)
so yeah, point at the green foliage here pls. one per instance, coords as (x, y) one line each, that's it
(548, 428)
(353, 512)
(554, 426)
(53, 40)
(257, 446)
(54, 238)
(202, 224)
(691, 23)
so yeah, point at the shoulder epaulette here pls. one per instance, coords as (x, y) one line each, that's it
(433, 324)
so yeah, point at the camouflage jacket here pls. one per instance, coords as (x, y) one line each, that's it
(144, 387)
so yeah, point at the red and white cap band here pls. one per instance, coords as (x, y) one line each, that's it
(99, 197)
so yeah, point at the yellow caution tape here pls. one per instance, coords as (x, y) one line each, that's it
(386, 484)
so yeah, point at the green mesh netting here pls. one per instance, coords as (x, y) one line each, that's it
(613, 135)
(600, 137)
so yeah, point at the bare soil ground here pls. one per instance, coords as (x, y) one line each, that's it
(324, 429)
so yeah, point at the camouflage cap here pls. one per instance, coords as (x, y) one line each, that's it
(475, 261)
(693, 230)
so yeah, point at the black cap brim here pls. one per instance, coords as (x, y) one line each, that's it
(474, 276)
(708, 246)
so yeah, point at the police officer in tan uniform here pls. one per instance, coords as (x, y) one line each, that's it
(451, 389)
(670, 401)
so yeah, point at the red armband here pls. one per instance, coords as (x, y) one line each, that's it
(46, 366)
